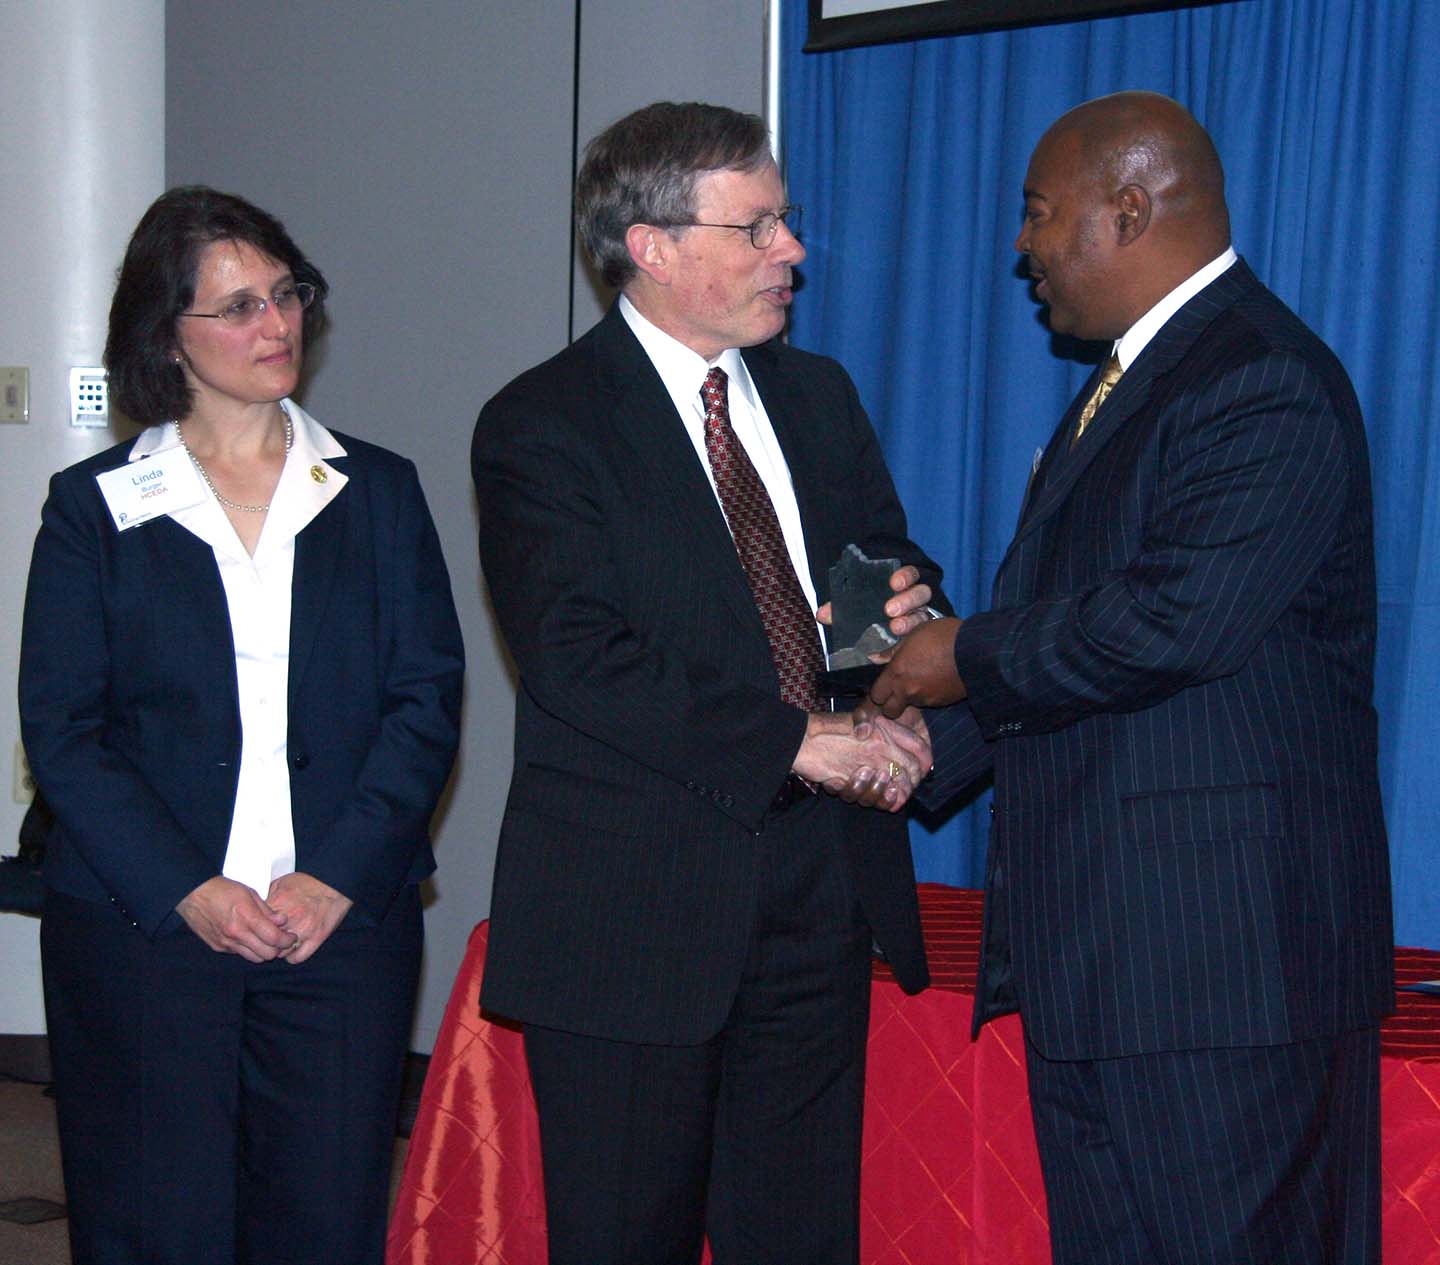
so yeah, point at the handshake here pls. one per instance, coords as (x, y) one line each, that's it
(869, 759)
(878, 754)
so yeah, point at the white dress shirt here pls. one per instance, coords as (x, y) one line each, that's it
(683, 372)
(261, 846)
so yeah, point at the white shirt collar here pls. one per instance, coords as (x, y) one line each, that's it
(308, 483)
(680, 369)
(682, 372)
(321, 442)
(1134, 340)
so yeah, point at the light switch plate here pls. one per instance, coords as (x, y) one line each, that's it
(14, 394)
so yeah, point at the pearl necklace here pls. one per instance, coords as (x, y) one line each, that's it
(210, 483)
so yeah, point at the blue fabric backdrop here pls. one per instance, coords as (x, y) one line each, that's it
(909, 159)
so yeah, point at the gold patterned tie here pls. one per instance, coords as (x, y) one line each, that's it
(1109, 376)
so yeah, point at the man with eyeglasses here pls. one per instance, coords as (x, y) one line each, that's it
(682, 919)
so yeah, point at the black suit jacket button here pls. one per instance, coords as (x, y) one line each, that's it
(301, 761)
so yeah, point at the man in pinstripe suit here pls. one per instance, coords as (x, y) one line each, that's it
(683, 926)
(1188, 889)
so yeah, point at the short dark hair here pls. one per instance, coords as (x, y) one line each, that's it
(157, 283)
(643, 168)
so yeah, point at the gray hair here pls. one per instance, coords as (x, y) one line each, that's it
(643, 168)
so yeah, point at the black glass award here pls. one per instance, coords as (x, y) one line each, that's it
(859, 627)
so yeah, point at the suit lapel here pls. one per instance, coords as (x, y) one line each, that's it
(189, 567)
(1066, 461)
(787, 408)
(317, 563)
(1063, 465)
(642, 418)
(1056, 451)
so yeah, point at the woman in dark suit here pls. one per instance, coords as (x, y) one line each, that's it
(239, 690)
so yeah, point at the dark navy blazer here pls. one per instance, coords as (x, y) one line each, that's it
(129, 706)
(1173, 688)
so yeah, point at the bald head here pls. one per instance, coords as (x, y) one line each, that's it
(1144, 139)
(1138, 183)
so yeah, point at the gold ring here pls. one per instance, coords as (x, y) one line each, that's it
(894, 770)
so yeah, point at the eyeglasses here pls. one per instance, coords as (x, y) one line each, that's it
(249, 308)
(762, 228)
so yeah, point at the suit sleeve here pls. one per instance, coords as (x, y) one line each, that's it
(368, 851)
(962, 754)
(120, 826)
(549, 549)
(1246, 505)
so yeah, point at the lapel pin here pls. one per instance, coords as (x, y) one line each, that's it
(318, 474)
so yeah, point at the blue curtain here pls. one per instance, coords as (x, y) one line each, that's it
(909, 159)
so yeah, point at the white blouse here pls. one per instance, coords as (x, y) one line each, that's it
(261, 846)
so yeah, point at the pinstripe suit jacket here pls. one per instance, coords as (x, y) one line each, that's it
(649, 734)
(1173, 688)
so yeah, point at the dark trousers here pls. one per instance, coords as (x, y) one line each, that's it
(215, 1111)
(754, 1136)
(1262, 1155)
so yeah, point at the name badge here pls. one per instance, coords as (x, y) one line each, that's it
(150, 488)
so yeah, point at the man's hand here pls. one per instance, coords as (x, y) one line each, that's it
(921, 671)
(312, 910)
(230, 918)
(865, 787)
(906, 609)
(889, 759)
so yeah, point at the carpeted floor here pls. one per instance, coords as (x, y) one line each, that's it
(29, 1172)
(30, 1182)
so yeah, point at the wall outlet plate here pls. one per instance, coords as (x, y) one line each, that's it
(14, 393)
(89, 397)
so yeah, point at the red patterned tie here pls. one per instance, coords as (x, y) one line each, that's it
(788, 619)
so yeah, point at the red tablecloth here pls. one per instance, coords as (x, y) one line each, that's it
(950, 1173)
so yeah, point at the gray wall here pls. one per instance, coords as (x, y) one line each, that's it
(633, 52)
(421, 154)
